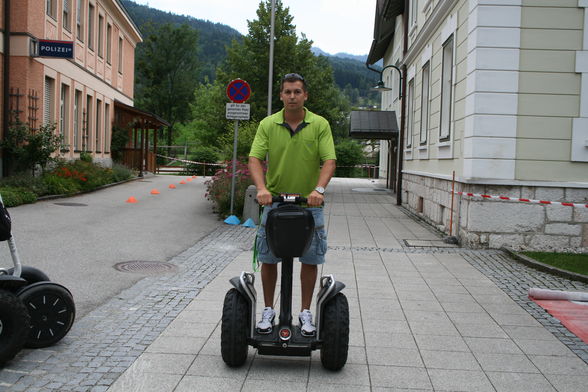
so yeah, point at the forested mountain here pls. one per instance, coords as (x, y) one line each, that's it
(351, 75)
(212, 40)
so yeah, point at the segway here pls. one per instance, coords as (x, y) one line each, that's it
(34, 312)
(289, 230)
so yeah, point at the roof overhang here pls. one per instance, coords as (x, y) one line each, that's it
(371, 124)
(384, 26)
(149, 120)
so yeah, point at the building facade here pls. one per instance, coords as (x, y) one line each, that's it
(496, 93)
(76, 94)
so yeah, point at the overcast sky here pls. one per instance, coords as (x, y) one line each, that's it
(334, 25)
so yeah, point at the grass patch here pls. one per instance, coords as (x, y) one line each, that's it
(574, 262)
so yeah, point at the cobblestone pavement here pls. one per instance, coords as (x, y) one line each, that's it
(102, 345)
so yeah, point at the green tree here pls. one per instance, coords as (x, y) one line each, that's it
(167, 72)
(248, 59)
(349, 153)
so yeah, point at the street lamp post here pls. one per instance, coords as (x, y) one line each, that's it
(381, 87)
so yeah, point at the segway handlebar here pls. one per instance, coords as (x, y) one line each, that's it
(289, 199)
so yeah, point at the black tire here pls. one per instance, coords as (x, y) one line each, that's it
(31, 274)
(52, 312)
(14, 325)
(335, 333)
(234, 329)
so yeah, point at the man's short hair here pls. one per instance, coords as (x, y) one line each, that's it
(293, 77)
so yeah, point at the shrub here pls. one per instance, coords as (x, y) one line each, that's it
(14, 196)
(26, 148)
(59, 185)
(85, 156)
(26, 181)
(218, 189)
(202, 154)
(121, 172)
(349, 153)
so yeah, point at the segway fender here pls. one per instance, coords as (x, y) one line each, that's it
(339, 286)
(12, 283)
(236, 282)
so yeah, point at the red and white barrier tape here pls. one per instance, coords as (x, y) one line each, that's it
(521, 199)
(188, 161)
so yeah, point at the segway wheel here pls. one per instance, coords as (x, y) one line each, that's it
(52, 312)
(14, 325)
(335, 333)
(234, 328)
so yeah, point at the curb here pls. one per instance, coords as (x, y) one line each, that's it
(52, 197)
(544, 267)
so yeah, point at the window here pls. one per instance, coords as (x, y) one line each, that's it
(63, 114)
(87, 135)
(446, 85)
(79, 19)
(106, 127)
(51, 8)
(66, 15)
(48, 115)
(409, 114)
(100, 36)
(98, 125)
(91, 27)
(108, 43)
(425, 103)
(76, 123)
(120, 54)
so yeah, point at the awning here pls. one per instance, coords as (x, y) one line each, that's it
(384, 27)
(370, 124)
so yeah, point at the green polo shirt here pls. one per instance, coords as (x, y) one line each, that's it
(294, 159)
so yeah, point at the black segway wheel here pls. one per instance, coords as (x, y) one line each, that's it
(14, 325)
(234, 328)
(31, 274)
(335, 333)
(52, 311)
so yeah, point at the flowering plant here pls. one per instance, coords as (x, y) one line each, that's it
(218, 188)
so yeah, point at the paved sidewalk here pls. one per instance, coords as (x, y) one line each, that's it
(427, 317)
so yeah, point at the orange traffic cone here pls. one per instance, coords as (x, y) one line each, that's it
(154, 191)
(189, 179)
(132, 200)
(183, 182)
(194, 176)
(172, 186)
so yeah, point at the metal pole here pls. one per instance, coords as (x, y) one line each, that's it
(234, 165)
(270, 78)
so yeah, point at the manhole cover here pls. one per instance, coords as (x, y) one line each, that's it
(371, 190)
(144, 267)
(68, 204)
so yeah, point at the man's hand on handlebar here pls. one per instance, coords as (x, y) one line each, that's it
(264, 197)
(315, 199)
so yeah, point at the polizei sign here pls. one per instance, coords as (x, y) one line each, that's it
(50, 48)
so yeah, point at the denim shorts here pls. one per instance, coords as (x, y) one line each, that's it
(315, 254)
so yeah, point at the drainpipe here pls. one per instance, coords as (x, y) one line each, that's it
(400, 152)
(6, 80)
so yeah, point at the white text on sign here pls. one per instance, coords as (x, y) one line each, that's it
(238, 111)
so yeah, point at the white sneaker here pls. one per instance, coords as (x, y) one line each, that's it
(306, 326)
(266, 324)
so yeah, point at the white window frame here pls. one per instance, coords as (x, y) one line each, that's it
(447, 65)
(66, 12)
(120, 54)
(64, 113)
(108, 43)
(98, 134)
(425, 102)
(100, 36)
(51, 8)
(77, 122)
(79, 21)
(91, 11)
(409, 126)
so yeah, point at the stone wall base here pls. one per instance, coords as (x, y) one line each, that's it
(491, 223)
